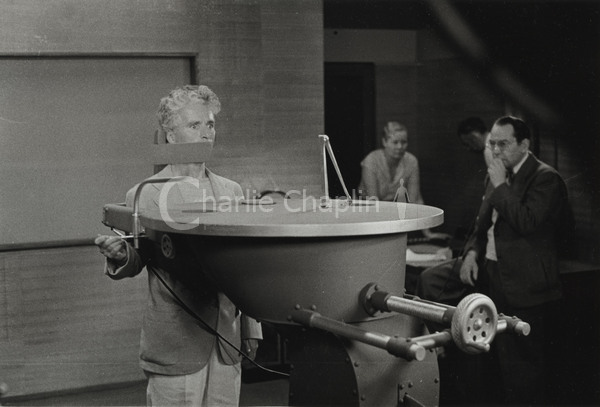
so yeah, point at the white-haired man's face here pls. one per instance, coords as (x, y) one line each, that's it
(195, 123)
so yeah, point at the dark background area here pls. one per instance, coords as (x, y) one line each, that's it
(550, 53)
(552, 47)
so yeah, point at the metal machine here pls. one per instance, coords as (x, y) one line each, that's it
(329, 274)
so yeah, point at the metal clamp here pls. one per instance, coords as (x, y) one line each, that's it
(328, 150)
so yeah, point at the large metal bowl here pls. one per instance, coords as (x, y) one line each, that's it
(272, 257)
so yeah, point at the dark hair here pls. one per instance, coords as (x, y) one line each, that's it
(521, 130)
(471, 124)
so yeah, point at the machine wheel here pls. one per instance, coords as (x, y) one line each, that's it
(474, 324)
(167, 247)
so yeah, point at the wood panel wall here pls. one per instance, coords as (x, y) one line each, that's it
(64, 325)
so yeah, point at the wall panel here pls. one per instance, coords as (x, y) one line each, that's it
(70, 134)
(293, 94)
(64, 324)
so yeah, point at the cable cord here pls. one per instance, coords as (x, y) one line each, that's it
(210, 328)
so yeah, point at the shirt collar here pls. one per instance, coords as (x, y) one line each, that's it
(517, 167)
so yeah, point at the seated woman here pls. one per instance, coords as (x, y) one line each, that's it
(388, 170)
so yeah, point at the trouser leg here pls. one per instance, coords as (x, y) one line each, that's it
(523, 360)
(216, 384)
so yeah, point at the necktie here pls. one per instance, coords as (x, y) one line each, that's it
(510, 176)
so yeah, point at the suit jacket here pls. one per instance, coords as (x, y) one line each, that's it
(526, 232)
(172, 341)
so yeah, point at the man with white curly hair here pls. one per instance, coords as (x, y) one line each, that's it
(187, 356)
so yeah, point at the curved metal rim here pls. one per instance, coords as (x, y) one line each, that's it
(298, 230)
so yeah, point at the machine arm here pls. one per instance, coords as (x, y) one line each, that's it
(397, 346)
(473, 323)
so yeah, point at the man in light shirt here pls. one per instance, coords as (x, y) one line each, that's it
(192, 334)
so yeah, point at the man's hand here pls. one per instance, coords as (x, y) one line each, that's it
(497, 172)
(250, 346)
(469, 270)
(113, 248)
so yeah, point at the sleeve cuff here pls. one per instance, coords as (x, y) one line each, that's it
(113, 269)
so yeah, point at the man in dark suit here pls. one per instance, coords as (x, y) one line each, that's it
(515, 240)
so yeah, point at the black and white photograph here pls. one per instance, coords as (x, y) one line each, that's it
(370, 203)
